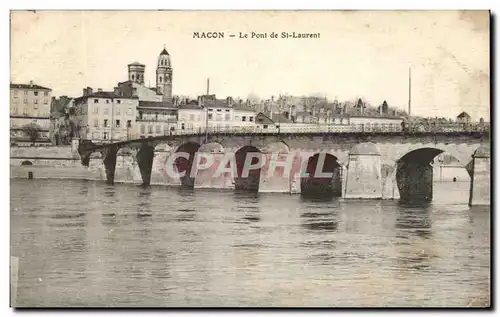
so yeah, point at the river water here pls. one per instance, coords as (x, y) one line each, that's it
(84, 243)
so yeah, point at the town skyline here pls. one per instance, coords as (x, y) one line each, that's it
(446, 79)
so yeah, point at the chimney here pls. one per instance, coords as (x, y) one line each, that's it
(200, 101)
(289, 112)
(99, 89)
(90, 91)
(31, 83)
(116, 91)
(229, 101)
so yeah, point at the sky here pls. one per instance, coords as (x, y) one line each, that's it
(363, 54)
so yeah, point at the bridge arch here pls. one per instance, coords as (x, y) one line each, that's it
(182, 164)
(251, 181)
(414, 174)
(276, 147)
(322, 180)
(212, 147)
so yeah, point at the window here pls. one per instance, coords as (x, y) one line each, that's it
(129, 123)
(182, 126)
(117, 123)
(191, 117)
(15, 111)
(227, 110)
(219, 110)
(107, 100)
(198, 118)
(25, 100)
(117, 111)
(210, 116)
(150, 129)
(25, 92)
(228, 116)
(45, 102)
(118, 101)
(105, 135)
(129, 111)
(96, 123)
(105, 123)
(160, 79)
(45, 93)
(95, 110)
(156, 115)
(133, 77)
(15, 92)
(250, 119)
(96, 100)
(158, 129)
(143, 130)
(243, 118)
(265, 126)
(106, 110)
(35, 93)
(96, 135)
(35, 101)
(210, 109)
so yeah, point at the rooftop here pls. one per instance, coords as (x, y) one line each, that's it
(28, 86)
(103, 94)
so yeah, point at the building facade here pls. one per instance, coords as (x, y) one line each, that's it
(29, 104)
(155, 119)
(105, 117)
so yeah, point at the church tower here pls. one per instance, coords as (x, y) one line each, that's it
(136, 73)
(164, 76)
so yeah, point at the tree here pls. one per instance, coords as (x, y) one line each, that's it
(32, 130)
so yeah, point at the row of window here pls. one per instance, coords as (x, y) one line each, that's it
(118, 123)
(218, 110)
(26, 112)
(118, 101)
(219, 117)
(35, 93)
(35, 101)
(228, 117)
(117, 111)
(158, 129)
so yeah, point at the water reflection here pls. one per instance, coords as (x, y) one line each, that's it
(109, 191)
(144, 205)
(163, 247)
(414, 220)
(320, 221)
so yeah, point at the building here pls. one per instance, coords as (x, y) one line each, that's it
(464, 117)
(164, 75)
(29, 104)
(103, 116)
(155, 119)
(62, 113)
(224, 114)
(135, 85)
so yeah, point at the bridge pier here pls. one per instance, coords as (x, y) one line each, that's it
(480, 178)
(415, 181)
(145, 156)
(275, 174)
(109, 159)
(364, 179)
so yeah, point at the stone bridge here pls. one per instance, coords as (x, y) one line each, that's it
(376, 165)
